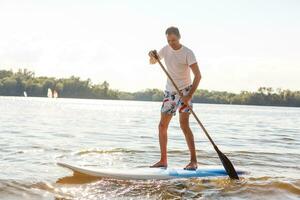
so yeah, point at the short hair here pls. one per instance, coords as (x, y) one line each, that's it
(173, 30)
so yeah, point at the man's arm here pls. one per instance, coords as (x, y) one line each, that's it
(197, 78)
(196, 81)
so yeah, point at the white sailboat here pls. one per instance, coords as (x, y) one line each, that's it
(25, 94)
(49, 94)
(55, 94)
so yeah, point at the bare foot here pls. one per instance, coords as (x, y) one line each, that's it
(160, 164)
(191, 166)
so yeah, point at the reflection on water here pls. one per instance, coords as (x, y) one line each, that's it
(36, 133)
(77, 178)
(263, 187)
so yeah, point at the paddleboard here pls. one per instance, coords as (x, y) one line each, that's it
(148, 173)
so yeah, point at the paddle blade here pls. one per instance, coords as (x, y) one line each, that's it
(227, 165)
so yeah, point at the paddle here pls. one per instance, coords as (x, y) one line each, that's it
(225, 161)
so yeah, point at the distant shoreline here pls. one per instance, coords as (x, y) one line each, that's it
(24, 83)
(154, 101)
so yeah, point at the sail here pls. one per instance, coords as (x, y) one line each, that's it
(49, 94)
(55, 94)
(25, 94)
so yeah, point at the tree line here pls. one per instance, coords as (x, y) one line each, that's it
(15, 83)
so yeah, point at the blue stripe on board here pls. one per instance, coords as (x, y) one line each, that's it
(181, 173)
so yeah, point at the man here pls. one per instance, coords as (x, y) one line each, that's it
(179, 60)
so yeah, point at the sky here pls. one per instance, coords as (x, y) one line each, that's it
(239, 44)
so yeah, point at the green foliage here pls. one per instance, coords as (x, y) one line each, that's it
(14, 84)
(264, 96)
(148, 95)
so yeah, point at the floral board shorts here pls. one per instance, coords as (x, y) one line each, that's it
(172, 102)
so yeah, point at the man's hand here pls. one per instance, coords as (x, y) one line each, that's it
(186, 99)
(152, 54)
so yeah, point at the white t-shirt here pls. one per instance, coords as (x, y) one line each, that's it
(178, 65)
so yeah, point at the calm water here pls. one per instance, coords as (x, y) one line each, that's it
(35, 133)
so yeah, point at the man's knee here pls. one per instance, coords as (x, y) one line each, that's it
(185, 128)
(163, 126)
(184, 125)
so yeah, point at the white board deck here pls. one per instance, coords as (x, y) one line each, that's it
(148, 173)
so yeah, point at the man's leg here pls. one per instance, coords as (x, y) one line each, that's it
(163, 138)
(189, 137)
